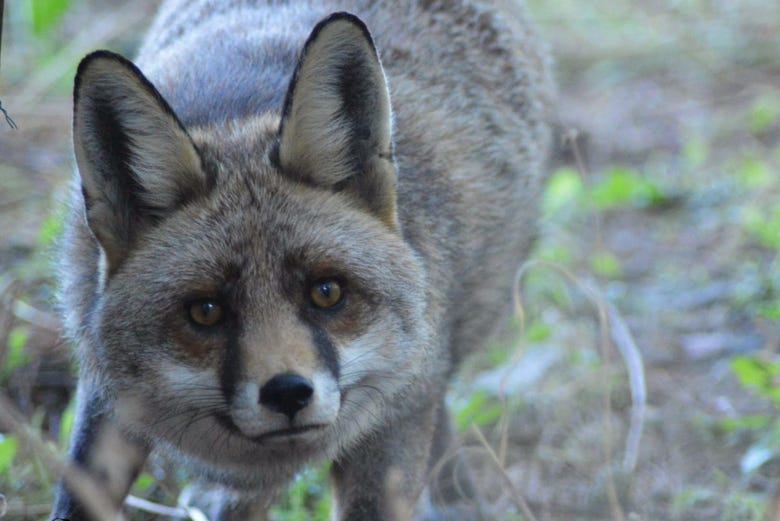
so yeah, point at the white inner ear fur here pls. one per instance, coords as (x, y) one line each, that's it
(315, 141)
(163, 159)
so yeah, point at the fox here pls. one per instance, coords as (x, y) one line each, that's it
(290, 222)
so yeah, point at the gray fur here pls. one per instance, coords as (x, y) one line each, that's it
(425, 230)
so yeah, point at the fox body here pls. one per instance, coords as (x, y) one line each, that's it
(287, 229)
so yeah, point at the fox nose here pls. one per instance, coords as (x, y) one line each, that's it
(287, 394)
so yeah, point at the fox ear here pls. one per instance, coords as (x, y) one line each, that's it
(136, 161)
(336, 123)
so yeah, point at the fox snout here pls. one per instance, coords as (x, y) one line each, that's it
(259, 408)
(287, 394)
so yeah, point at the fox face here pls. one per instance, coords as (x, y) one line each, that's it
(254, 298)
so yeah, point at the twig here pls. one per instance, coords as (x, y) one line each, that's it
(624, 341)
(28, 313)
(634, 367)
(25, 511)
(8, 119)
(162, 510)
(515, 494)
(626, 346)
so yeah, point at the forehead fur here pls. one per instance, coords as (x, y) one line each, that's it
(256, 217)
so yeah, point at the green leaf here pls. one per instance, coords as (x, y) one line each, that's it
(480, 409)
(764, 113)
(307, 498)
(554, 253)
(16, 355)
(46, 13)
(749, 422)
(66, 423)
(754, 173)
(751, 372)
(143, 481)
(695, 151)
(624, 187)
(765, 227)
(769, 310)
(537, 331)
(563, 189)
(8, 446)
(605, 263)
(51, 228)
(760, 375)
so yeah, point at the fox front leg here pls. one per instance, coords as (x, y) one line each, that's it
(382, 479)
(105, 454)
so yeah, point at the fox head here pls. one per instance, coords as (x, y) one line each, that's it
(253, 295)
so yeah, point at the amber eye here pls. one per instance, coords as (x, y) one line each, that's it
(326, 294)
(206, 312)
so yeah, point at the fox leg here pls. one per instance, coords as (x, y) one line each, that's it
(450, 479)
(451, 490)
(383, 478)
(107, 457)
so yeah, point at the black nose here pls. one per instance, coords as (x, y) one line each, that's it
(287, 394)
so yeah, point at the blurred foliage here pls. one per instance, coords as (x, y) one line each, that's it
(307, 498)
(762, 376)
(8, 446)
(44, 14)
(480, 408)
(15, 355)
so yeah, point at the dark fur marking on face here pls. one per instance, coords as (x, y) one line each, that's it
(326, 350)
(273, 154)
(231, 365)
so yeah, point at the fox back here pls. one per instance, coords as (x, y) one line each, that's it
(288, 228)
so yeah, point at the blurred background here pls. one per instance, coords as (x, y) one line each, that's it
(640, 379)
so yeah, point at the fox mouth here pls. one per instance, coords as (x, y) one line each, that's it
(289, 433)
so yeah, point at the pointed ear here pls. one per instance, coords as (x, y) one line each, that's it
(136, 161)
(336, 123)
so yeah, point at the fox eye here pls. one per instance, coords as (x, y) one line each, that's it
(206, 312)
(326, 294)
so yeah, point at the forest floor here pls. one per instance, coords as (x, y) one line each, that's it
(616, 396)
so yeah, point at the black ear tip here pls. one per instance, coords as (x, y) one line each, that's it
(341, 17)
(96, 56)
(88, 61)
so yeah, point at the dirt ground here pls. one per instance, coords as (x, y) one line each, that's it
(668, 89)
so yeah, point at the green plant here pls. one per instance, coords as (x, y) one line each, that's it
(762, 377)
(44, 14)
(622, 187)
(307, 498)
(481, 408)
(15, 354)
(8, 448)
(764, 113)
